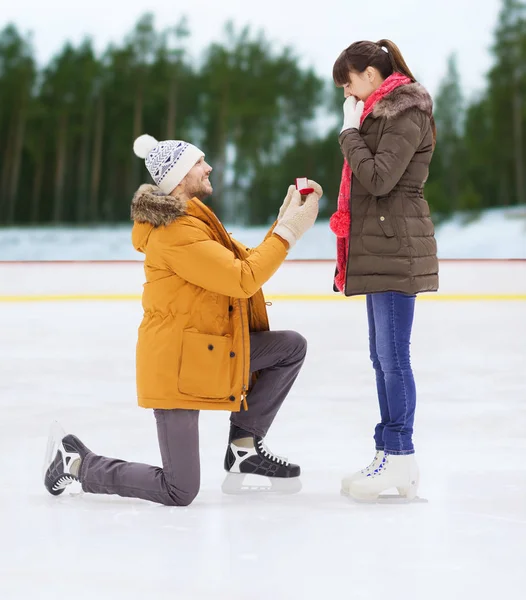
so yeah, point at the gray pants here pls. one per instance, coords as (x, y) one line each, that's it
(278, 355)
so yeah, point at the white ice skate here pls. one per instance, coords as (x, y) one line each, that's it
(395, 471)
(346, 481)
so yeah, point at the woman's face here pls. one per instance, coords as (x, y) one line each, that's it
(362, 85)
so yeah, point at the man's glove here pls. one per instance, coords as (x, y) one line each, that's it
(297, 218)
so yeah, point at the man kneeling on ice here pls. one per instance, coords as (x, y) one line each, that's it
(204, 341)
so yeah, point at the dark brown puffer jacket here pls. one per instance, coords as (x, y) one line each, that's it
(392, 244)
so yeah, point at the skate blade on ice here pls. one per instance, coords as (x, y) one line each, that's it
(246, 483)
(388, 499)
(56, 433)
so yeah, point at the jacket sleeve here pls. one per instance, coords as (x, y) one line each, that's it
(380, 172)
(271, 230)
(189, 252)
(269, 233)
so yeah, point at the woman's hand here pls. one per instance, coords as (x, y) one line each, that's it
(352, 113)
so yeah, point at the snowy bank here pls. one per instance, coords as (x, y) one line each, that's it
(495, 233)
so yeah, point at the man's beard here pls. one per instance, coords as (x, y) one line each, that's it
(199, 192)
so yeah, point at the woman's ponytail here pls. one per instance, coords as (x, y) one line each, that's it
(397, 60)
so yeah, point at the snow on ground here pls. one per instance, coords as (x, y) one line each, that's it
(497, 233)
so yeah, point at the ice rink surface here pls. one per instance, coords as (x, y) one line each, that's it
(74, 361)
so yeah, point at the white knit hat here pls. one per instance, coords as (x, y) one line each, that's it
(168, 161)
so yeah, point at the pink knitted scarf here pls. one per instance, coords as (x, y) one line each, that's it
(340, 221)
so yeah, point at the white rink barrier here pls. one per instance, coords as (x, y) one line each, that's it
(295, 280)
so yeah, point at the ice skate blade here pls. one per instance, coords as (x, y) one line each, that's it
(56, 433)
(388, 499)
(246, 483)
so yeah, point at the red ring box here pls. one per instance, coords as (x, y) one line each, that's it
(301, 186)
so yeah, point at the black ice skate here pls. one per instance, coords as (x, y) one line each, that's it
(63, 455)
(258, 460)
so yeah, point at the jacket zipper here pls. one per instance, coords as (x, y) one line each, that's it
(349, 244)
(350, 219)
(244, 388)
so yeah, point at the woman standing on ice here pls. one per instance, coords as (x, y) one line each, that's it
(386, 247)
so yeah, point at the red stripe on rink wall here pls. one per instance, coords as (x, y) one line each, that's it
(292, 260)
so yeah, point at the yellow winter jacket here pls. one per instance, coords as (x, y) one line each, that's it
(201, 299)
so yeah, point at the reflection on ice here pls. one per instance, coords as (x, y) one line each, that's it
(244, 483)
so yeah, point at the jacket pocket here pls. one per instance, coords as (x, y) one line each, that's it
(205, 365)
(386, 225)
(380, 236)
(383, 216)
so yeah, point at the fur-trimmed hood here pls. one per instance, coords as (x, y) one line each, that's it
(151, 205)
(403, 98)
(152, 208)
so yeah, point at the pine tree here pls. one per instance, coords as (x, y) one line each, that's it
(506, 96)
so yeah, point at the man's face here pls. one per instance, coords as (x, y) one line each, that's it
(196, 183)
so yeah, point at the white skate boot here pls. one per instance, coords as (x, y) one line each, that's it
(346, 481)
(395, 471)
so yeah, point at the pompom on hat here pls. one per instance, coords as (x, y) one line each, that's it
(168, 162)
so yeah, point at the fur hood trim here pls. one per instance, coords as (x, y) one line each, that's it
(151, 205)
(403, 98)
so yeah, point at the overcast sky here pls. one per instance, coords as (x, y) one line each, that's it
(426, 31)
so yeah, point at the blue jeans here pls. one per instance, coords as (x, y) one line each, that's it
(390, 316)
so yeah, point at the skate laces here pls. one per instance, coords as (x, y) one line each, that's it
(371, 464)
(380, 468)
(63, 481)
(63, 468)
(270, 456)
